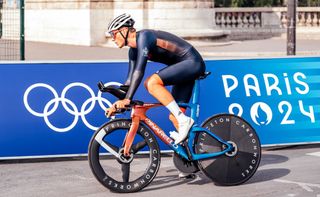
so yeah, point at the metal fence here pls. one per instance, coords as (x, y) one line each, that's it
(12, 30)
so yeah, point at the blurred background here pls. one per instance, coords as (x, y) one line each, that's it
(75, 29)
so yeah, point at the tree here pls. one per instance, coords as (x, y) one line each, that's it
(249, 3)
(309, 3)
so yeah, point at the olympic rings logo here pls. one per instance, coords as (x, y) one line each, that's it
(64, 101)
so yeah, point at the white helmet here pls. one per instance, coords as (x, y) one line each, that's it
(124, 20)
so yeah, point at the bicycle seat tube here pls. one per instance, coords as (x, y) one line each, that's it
(194, 105)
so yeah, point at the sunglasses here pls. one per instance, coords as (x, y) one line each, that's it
(114, 33)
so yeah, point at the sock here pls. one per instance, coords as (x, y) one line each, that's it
(174, 108)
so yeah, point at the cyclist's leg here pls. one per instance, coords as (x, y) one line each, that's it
(181, 94)
(174, 120)
(179, 73)
(156, 88)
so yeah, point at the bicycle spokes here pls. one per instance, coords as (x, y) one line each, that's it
(114, 150)
(125, 168)
(138, 146)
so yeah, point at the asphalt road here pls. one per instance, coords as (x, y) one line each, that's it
(284, 172)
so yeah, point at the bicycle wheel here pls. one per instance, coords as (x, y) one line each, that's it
(116, 171)
(234, 167)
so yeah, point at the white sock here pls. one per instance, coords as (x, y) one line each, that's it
(173, 107)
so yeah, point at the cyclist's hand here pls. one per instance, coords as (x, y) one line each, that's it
(120, 104)
(110, 112)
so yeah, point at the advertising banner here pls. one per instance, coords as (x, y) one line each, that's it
(52, 109)
(279, 97)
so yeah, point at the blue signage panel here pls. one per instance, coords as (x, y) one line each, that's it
(279, 97)
(54, 108)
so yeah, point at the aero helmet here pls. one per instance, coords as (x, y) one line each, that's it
(124, 20)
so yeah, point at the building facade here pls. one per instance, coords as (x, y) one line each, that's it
(83, 22)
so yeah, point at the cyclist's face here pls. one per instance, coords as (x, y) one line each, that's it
(117, 37)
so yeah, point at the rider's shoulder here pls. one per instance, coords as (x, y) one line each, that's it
(147, 33)
(146, 37)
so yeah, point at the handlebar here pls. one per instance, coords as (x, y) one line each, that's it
(119, 92)
(128, 107)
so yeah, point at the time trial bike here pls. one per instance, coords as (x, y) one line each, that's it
(225, 147)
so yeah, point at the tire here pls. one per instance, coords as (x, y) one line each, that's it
(123, 174)
(234, 167)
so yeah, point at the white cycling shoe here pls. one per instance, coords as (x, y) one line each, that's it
(174, 135)
(183, 131)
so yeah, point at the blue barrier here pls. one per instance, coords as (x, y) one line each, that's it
(51, 109)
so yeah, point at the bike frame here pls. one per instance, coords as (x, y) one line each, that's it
(139, 114)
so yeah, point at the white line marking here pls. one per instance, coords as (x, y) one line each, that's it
(306, 186)
(317, 154)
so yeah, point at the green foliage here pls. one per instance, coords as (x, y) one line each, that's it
(309, 3)
(263, 3)
(249, 3)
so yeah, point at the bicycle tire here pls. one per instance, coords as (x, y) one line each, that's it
(238, 165)
(132, 176)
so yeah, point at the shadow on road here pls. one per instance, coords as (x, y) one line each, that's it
(161, 182)
(261, 175)
(267, 159)
(268, 174)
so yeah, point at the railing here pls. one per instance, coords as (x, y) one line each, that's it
(307, 17)
(264, 17)
(234, 18)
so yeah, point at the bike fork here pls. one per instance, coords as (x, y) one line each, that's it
(131, 135)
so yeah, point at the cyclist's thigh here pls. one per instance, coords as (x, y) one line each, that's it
(182, 92)
(181, 72)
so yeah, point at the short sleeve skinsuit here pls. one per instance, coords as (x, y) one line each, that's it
(184, 63)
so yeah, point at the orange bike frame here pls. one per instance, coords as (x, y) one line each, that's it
(139, 114)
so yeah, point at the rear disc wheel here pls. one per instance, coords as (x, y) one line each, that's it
(236, 166)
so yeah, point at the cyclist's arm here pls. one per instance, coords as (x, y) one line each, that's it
(144, 43)
(132, 62)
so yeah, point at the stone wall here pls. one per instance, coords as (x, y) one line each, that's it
(83, 22)
(58, 21)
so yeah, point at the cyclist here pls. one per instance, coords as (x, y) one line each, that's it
(184, 66)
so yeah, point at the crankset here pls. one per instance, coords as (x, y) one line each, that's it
(184, 165)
